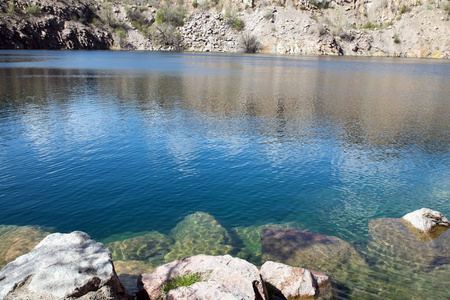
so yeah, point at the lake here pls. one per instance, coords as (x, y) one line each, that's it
(120, 144)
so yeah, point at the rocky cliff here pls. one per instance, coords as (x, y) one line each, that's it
(406, 28)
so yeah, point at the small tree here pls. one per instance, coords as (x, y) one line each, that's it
(250, 44)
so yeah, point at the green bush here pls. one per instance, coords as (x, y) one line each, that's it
(168, 35)
(321, 5)
(397, 39)
(171, 15)
(371, 26)
(233, 20)
(195, 4)
(404, 9)
(269, 15)
(12, 8)
(33, 10)
(182, 280)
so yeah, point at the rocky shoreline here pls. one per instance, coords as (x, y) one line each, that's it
(63, 266)
(300, 27)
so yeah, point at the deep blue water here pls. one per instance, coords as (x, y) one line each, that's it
(114, 142)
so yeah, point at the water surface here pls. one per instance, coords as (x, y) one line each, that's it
(116, 143)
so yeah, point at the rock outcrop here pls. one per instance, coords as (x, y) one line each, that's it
(234, 277)
(51, 25)
(60, 267)
(294, 282)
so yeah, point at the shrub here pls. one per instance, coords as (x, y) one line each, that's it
(172, 15)
(168, 35)
(269, 15)
(404, 9)
(195, 4)
(321, 4)
(12, 8)
(250, 44)
(233, 20)
(397, 39)
(182, 280)
(33, 10)
(371, 26)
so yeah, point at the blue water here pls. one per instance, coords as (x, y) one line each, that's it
(114, 142)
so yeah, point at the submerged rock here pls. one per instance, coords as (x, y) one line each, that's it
(428, 221)
(199, 233)
(63, 266)
(309, 250)
(18, 240)
(248, 239)
(393, 244)
(237, 278)
(151, 247)
(294, 282)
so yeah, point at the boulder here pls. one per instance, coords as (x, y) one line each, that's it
(150, 247)
(199, 233)
(18, 240)
(427, 220)
(63, 266)
(129, 272)
(308, 250)
(400, 246)
(292, 282)
(203, 290)
(235, 274)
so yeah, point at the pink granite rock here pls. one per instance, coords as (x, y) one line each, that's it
(204, 291)
(235, 274)
(291, 281)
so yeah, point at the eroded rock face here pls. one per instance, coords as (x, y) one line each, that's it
(236, 275)
(427, 220)
(308, 250)
(394, 244)
(199, 233)
(293, 282)
(62, 266)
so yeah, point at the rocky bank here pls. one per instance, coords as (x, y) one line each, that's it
(409, 28)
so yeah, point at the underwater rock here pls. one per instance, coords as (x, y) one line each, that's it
(129, 271)
(18, 240)
(400, 245)
(63, 266)
(293, 282)
(151, 247)
(199, 233)
(312, 251)
(248, 239)
(427, 220)
(235, 274)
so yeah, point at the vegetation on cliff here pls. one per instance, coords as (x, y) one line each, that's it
(412, 28)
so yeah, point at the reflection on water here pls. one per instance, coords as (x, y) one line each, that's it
(114, 142)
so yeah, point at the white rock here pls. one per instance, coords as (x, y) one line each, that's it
(426, 219)
(235, 274)
(203, 290)
(292, 282)
(62, 266)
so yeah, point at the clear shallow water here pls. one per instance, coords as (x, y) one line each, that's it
(125, 142)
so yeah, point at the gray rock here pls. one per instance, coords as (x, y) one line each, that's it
(293, 282)
(426, 220)
(62, 266)
(235, 274)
